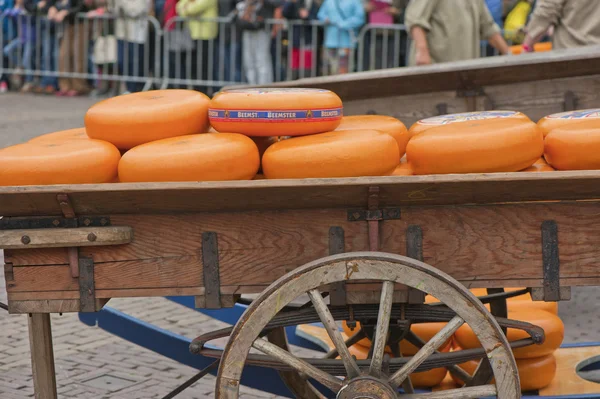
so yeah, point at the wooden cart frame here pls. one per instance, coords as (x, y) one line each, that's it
(362, 240)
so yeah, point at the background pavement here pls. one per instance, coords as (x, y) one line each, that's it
(91, 363)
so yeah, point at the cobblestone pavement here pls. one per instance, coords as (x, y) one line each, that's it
(91, 363)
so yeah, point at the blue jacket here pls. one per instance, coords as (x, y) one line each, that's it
(345, 18)
(8, 31)
(495, 7)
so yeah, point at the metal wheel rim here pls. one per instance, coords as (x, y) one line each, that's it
(369, 266)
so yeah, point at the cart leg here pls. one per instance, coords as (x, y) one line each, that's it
(42, 356)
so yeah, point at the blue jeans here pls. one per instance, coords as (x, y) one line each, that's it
(14, 49)
(49, 55)
(131, 63)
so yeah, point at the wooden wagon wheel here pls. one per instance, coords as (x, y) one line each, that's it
(371, 383)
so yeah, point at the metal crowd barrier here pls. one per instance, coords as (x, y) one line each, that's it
(205, 54)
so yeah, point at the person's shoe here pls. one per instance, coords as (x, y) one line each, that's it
(27, 87)
(3, 87)
(61, 93)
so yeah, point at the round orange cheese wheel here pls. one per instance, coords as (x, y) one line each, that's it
(351, 153)
(482, 146)
(553, 326)
(539, 166)
(386, 124)
(61, 162)
(450, 119)
(198, 157)
(424, 379)
(573, 147)
(585, 117)
(133, 119)
(521, 302)
(71, 134)
(535, 373)
(275, 112)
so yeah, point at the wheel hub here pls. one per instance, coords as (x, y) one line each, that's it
(366, 388)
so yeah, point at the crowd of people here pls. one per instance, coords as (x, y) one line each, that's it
(53, 46)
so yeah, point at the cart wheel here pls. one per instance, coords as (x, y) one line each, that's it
(372, 382)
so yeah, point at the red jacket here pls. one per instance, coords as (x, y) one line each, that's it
(169, 12)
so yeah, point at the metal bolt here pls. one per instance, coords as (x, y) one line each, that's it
(56, 222)
(91, 237)
(25, 240)
(87, 222)
(103, 221)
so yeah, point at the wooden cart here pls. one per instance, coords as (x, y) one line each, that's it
(373, 245)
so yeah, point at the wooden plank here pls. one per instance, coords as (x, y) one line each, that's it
(42, 356)
(63, 238)
(50, 306)
(458, 75)
(170, 198)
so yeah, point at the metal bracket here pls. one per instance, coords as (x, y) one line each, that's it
(87, 289)
(571, 101)
(337, 245)
(45, 222)
(361, 215)
(414, 250)
(210, 265)
(551, 290)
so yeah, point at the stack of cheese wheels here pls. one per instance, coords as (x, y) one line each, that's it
(521, 302)
(425, 331)
(133, 119)
(200, 157)
(59, 162)
(349, 153)
(536, 363)
(386, 124)
(534, 374)
(424, 379)
(275, 112)
(540, 166)
(585, 117)
(64, 135)
(508, 144)
(572, 139)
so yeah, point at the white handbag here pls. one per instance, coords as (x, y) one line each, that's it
(105, 50)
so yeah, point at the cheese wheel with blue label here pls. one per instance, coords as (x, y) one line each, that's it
(350, 153)
(60, 162)
(196, 157)
(480, 146)
(133, 119)
(450, 119)
(64, 135)
(275, 112)
(585, 117)
(573, 147)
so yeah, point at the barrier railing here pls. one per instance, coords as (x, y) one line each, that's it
(205, 53)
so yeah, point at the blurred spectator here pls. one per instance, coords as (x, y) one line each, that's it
(256, 39)
(575, 22)
(445, 31)
(344, 19)
(178, 42)
(302, 35)
(48, 41)
(203, 28)
(228, 50)
(8, 32)
(384, 48)
(20, 50)
(74, 47)
(131, 28)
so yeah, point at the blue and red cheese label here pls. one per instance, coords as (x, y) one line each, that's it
(287, 115)
(468, 116)
(581, 114)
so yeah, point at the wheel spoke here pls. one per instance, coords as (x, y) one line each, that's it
(298, 364)
(381, 330)
(461, 393)
(360, 334)
(334, 333)
(438, 339)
